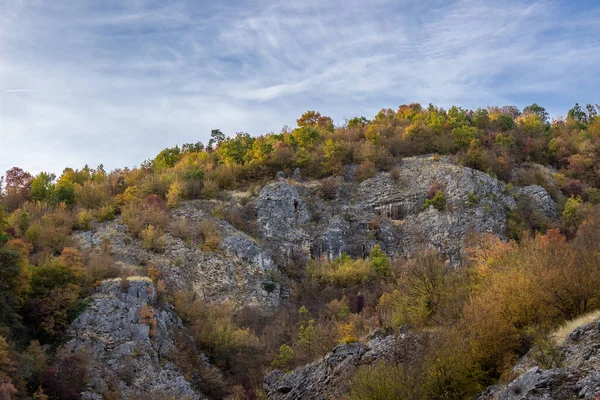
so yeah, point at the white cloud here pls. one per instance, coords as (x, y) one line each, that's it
(115, 82)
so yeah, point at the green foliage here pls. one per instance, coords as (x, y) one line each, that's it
(42, 188)
(537, 110)
(269, 287)
(305, 136)
(357, 122)
(548, 355)
(472, 199)
(84, 220)
(464, 135)
(438, 201)
(379, 261)
(105, 213)
(571, 214)
(343, 271)
(386, 381)
(284, 358)
(235, 150)
(167, 158)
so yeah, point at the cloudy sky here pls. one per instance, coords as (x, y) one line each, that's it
(114, 82)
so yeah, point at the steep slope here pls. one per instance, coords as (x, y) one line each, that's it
(129, 340)
(296, 222)
(328, 378)
(576, 373)
(389, 210)
(238, 271)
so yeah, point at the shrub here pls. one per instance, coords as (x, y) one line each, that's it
(365, 170)
(395, 175)
(243, 218)
(383, 381)
(105, 213)
(67, 380)
(328, 188)
(343, 272)
(138, 216)
(210, 190)
(438, 201)
(180, 228)
(153, 239)
(472, 199)
(177, 192)
(92, 195)
(84, 220)
(100, 265)
(211, 236)
(380, 263)
(284, 358)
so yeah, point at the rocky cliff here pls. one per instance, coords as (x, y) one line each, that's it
(296, 222)
(328, 378)
(129, 339)
(573, 372)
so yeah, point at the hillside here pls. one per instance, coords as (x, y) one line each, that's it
(418, 255)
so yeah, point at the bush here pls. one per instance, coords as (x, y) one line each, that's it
(153, 239)
(384, 381)
(138, 216)
(284, 358)
(395, 175)
(84, 220)
(210, 190)
(343, 272)
(380, 263)
(211, 236)
(328, 188)
(105, 213)
(180, 228)
(177, 192)
(365, 171)
(438, 201)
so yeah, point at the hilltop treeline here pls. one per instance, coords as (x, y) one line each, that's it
(493, 140)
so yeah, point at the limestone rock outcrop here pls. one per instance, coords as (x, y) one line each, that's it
(129, 340)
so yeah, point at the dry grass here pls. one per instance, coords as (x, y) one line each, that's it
(561, 333)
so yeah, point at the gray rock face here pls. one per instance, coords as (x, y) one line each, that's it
(538, 199)
(327, 378)
(390, 212)
(577, 378)
(281, 212)
(127, 348)
(237, 274)
(476, 202)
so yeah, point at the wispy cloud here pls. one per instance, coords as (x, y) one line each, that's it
(114, 82)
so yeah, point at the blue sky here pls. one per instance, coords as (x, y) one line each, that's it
(114, 82)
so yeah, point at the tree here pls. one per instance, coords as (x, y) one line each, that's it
(313, 119)
(577, 114)
(357, 121)
(192, 147)
(9, 272)
(537, 110)
(167, 158)
(379, 261)
(42, 187)
(464, 135)
(216, 138)
(17, 179)
(284, 358)
(235, 149)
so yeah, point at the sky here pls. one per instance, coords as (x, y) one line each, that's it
(114, 82)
